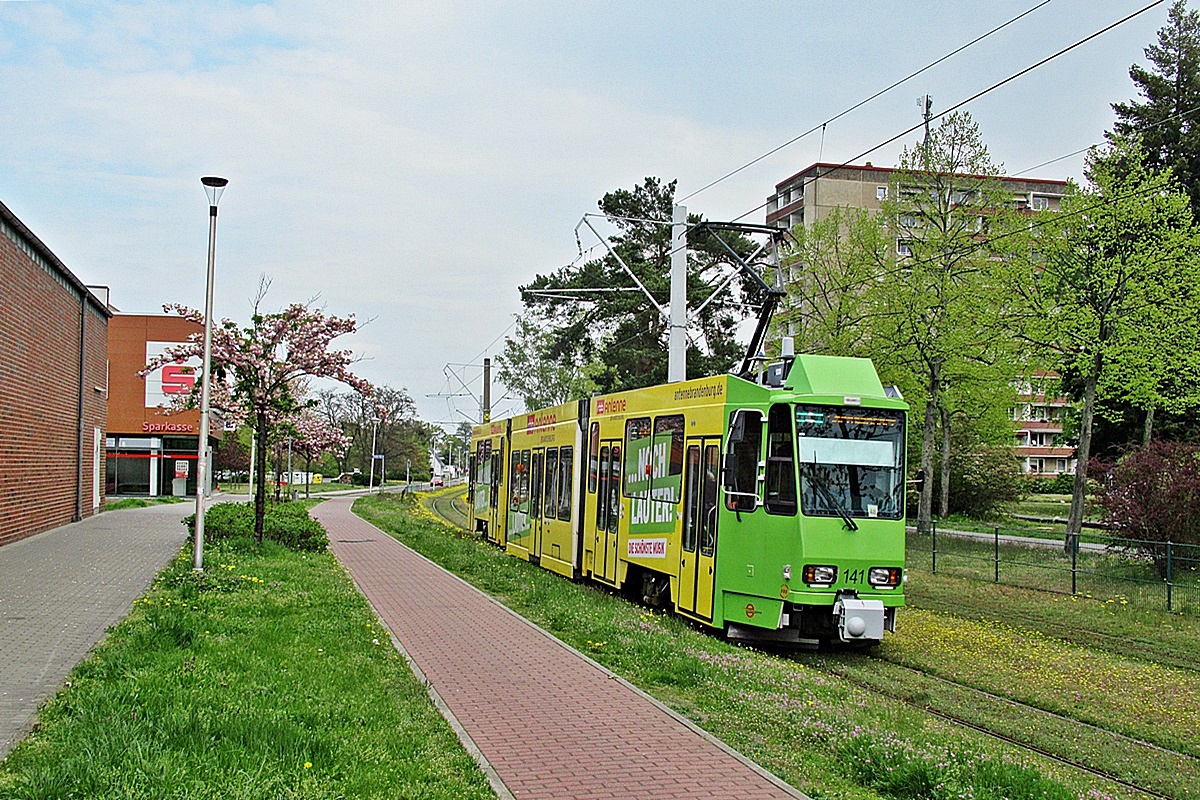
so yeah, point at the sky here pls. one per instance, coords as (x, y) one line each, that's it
(413, 163)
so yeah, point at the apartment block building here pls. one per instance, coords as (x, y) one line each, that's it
(813, 193)
(1038, 426)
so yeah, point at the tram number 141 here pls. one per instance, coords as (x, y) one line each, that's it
(856, 576)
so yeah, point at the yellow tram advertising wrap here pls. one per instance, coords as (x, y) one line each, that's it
(770, 511)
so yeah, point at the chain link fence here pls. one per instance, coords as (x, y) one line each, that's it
(1109, 568)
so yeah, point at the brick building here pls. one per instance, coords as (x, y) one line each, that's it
(150, 450)
(53, 388)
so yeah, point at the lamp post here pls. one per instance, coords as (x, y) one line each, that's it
(213, 187)
(374, 428)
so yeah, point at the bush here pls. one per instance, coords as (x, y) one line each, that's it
(287, 524)
(1151, 496)
(290, 525)
(1059, 484)
(982, 480)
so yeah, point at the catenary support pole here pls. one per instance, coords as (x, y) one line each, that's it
(487, 390)
(677, 338)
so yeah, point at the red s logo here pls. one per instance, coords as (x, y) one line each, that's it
(178, 379)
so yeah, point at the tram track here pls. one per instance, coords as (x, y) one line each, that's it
(1123, 645)
(1079, 739)
(1183, 764)
(451, 508)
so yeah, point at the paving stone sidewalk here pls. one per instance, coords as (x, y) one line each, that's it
(545, 722)
(62, 589)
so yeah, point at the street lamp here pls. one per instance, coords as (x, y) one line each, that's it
(374, 428)
(213, 187)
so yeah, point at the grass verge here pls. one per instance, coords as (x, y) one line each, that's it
(268, 675)
(142, 502)
(822, 734)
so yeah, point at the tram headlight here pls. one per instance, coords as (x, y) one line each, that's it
(819, 574)
(884, 577)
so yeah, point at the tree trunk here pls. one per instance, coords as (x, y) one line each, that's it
(928, 447)
(307, 472)
(279, 472)
(260, 489)
(1148, 428)
(944, 484)
(1082, 454)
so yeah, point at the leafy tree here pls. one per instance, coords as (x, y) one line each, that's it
(528, 368)
(1152, 496)
(607, 322)
(983, 471)
(256, 368)
(828, 271)
(313, 437)
(1166, 121)
(1114, 282)
(232, 455)
(937, 313)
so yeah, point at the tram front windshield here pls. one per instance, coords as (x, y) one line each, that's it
(851, 461)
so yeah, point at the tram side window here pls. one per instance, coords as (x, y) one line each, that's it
(741, 469)
(551, 501)
(708, 501)
(566, 470)
(781, 464)
(602, 497)
(691, 519)
(668, 433)
(614, 489)
(497, 474)
(494, 476)
(535, 486)
(514, 477)
(593, 456)
(639, 447)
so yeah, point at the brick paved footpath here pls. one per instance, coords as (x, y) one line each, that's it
(62, 589)
(543, 720)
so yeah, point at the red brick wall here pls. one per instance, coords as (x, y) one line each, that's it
(39, 396)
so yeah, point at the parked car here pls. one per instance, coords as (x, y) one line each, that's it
(436, 481)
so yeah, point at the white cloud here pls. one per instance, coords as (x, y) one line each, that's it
(416, 162)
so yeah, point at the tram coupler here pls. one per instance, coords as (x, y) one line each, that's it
(858, 620)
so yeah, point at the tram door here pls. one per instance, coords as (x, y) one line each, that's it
(697, 561)
(608, 511)
(496, 503)
(536, 498)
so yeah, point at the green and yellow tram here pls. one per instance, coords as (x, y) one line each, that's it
(771, 510)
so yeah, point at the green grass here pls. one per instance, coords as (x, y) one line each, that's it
(267, 676)
(313, 488)
(1112, 577)
(820, 733)
(143, 502)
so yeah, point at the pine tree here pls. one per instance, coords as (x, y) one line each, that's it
(1169, 121)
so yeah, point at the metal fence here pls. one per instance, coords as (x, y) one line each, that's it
(1108, 568)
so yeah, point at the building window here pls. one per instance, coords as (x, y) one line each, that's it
(881, 193)
(1040, 203)
(903, 247)
(908, 221)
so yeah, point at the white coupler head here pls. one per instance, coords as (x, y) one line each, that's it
(859, 620)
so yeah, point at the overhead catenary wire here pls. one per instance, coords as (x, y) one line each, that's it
(982, 92)
(861, 103)
(908, 130)
(1158, 124)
